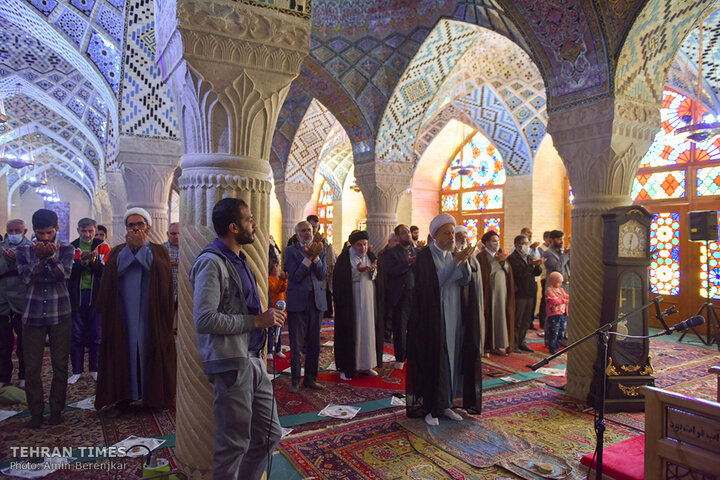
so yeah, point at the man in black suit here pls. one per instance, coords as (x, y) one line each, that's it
(398, 266)
(524, 268)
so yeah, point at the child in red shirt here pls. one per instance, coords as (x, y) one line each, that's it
(556, 303)
(277, 284)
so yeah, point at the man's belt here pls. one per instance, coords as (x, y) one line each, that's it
(258, 354)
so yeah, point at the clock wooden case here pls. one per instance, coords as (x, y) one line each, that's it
(626, 255)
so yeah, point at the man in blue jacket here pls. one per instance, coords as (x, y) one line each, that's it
(231, 330)
(306, 302)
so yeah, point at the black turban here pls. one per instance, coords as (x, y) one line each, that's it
(488, 235)
(358, 235)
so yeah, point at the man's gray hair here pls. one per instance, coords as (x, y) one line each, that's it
(300, 224)
(86, 222)
(174, 224)
(14, 221)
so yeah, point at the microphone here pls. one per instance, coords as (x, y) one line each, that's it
(689, 323)
(281, 305)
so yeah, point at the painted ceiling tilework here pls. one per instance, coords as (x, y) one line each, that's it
(40, 34)
(617, 17)
(55, 167)
(657, 33)
(485, 111)
(30, 114)
(147, 107)
(338, 161)
(308, 141)
(682, 78)
(566, 39)
(328, 176)
(316, 80)
(710, 52)
(416, 89)
(81, 21)
(335, 136)
(291, 115)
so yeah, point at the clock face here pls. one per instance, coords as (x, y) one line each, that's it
(632, 240)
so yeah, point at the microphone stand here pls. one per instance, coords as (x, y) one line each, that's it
(602, 335)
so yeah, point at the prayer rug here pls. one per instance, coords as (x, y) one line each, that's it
(518, 363)
(666, 354)
(547, 418)
(373, 448)
(691, 378)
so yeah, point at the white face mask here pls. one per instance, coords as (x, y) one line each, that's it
(525, 249)
(15, 238)
(493, 246)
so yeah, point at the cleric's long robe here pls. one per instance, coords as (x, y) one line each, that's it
(494, 309)
(428, 378)
(121, 320)
(346, 321)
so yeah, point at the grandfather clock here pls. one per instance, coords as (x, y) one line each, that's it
(626, 256)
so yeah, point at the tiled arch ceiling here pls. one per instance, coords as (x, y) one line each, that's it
(28, 115)
(291, 115)
(57, 167)
(682, 77)
(85, 33)
(308, 141)
(711, 56)
(366, 45)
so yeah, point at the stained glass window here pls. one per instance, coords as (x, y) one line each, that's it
(472, 230)
(713, 265)
(482, 200)
(665, 265)
(571, 196)
(708, 181)
(472, 188)
(660, 185)
(493, 224)
(449, 203)
(325, 211)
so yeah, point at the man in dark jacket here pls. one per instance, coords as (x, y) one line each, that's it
(83, 286)
(398, 273)
(524, 269)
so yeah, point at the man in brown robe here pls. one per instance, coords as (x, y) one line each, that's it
(136, 302)
(498, 296)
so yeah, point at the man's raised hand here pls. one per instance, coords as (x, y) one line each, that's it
(461, 256)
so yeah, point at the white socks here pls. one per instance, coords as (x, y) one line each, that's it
(94, 375)
(448, 412)
(432, 421)
(370, 373)
(343, 377)
(73, 378)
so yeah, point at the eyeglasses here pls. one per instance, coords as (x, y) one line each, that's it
(140, 225)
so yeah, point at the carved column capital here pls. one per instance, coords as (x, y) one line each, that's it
(382, 185)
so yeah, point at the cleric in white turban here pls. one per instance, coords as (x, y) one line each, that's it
(438, 370)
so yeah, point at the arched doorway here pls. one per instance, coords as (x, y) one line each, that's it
(675, 177)
(473, 187)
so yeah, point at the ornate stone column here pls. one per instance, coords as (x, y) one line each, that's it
(147, 167)
(231, 65)
(292, 197)
(382, 185)
(115, 186)
(601, 145)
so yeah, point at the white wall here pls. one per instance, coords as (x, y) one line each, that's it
(548, 189)
(24, 207)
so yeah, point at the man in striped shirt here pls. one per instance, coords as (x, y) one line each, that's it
(45, 266)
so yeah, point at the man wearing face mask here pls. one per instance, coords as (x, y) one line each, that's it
(498, 296)
(443, 350)
(136, 301)
(358, 316)
(524, 268)
(472, 293)
(306, 302)
(45, 266)
(12, 302)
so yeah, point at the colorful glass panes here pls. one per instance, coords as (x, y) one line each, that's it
(472, 230)
(713, 265)
(708, 181)
(478, 164)
(321, 212)
(449, 203)
(493, 224)
(665, 265)
(708, 151)
(451, 181)
(571, 196)
(329, 233)
(329, 212)
(325, 197)
(660, 185)
(482, 200)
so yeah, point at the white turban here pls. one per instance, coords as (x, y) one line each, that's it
(138, 211)
(439, 221)
(461, 228)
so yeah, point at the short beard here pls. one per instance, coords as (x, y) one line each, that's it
(241, 239)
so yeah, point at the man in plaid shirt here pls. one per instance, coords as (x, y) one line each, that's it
(45, 267)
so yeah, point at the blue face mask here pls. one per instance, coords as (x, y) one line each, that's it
(15, 238)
